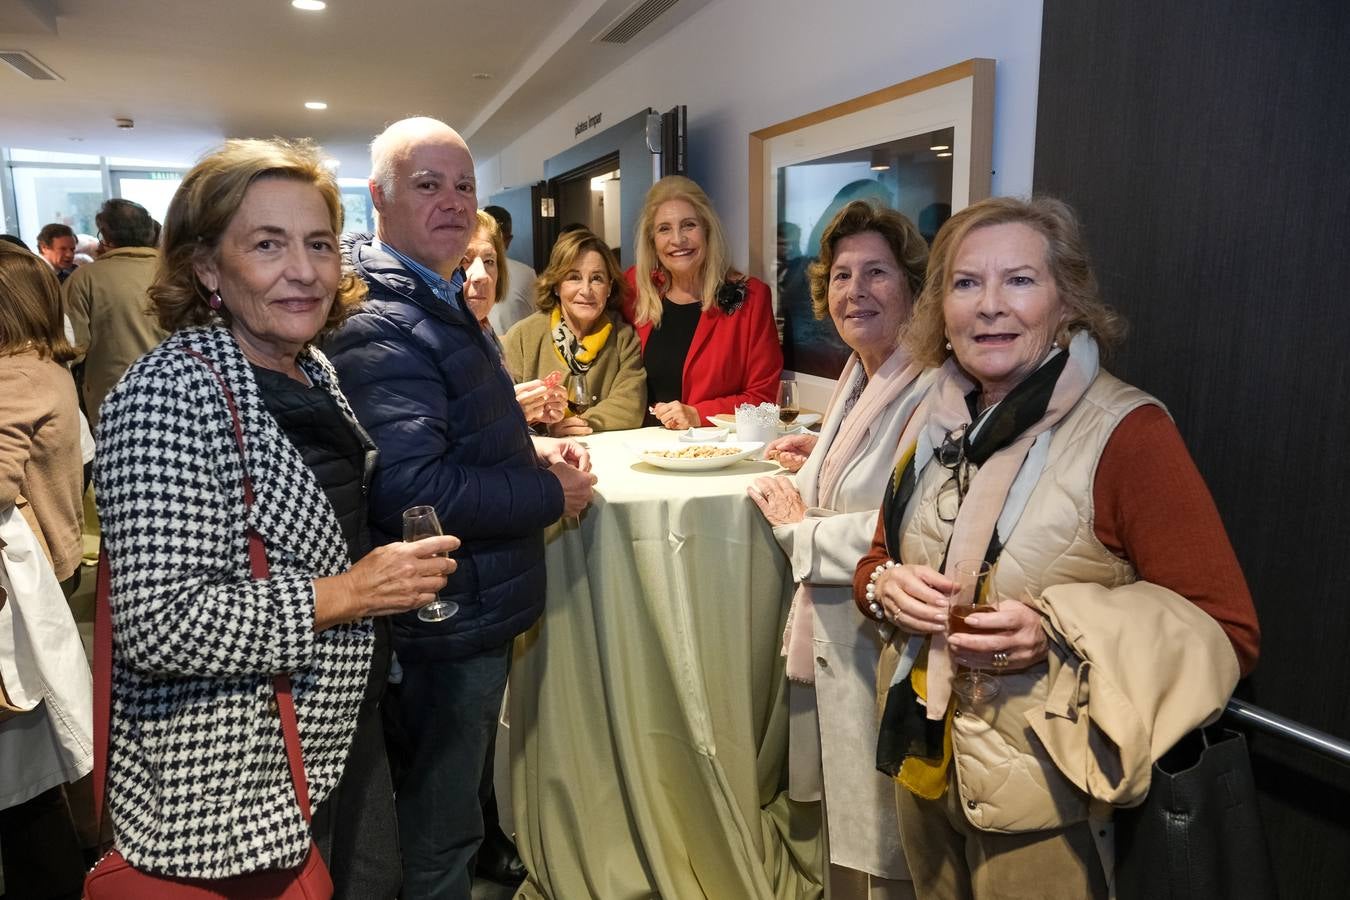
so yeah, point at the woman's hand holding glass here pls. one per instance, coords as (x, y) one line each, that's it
(390, 579)
(914, 598)
(579, 399)
(1013, 629)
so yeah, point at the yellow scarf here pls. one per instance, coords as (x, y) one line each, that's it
(581, 350)
(927, 778)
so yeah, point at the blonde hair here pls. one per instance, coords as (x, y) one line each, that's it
(567, 249)
(494, 233)
(716, 268)
(202, 208)
(30, 307)
(861, 217)
(1066, 256)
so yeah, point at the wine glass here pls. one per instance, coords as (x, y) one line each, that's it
(974, 592)
(578, 394)
(421, 522)
(788, 409)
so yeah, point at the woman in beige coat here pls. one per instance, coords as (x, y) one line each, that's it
(41, 479)
(870, 268)
(40, 462)
(578, 331)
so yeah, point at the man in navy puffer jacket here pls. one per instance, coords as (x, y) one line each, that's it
(434, 396)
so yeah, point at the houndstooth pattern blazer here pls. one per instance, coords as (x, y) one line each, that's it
(198, 783)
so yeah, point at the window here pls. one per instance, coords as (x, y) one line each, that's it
(43, 195)
(358, 213)
(50, 186)
(153, 190)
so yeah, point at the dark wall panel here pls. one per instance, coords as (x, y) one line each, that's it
(1206, 145)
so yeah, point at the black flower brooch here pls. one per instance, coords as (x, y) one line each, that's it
(731, 295)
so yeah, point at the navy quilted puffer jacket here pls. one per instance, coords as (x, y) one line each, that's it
(432, 393)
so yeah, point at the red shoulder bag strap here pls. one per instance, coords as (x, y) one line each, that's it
(281, 683)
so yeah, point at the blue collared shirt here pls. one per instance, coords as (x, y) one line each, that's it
(447, 291)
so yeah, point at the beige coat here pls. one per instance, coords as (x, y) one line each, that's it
(110, 312)
(616, 377)
(833, 733)
(41, 470)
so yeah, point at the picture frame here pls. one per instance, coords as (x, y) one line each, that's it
(792, 162)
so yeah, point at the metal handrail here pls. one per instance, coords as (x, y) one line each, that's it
(1309, 738)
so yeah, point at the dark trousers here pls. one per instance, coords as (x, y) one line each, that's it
(42, 857)
(449, 714)
(356, 827)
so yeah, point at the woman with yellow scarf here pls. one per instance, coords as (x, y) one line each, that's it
(579, 332)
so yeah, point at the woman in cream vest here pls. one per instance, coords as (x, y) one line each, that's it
(1078, 489)
(869, 270)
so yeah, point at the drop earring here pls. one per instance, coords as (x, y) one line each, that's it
(949, 346)
(214, 300)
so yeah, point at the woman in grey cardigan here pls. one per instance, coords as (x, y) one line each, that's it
(578, 331)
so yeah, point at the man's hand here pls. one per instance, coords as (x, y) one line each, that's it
(578, 487)
(554, 450)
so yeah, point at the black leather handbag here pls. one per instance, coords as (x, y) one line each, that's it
(1198, 834)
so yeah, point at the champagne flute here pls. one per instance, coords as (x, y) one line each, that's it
(421, 522)
(578, 394)
(974, 592)
(788, 409)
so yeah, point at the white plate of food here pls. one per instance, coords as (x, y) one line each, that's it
(697, 457)
(805, 420)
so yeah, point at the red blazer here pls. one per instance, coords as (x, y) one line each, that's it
(733, 358)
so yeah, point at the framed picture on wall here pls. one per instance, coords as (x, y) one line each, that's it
(923, 146)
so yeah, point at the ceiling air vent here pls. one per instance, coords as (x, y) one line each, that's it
(27, 66)
(634, 19)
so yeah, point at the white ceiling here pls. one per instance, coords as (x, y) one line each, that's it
(193, 72)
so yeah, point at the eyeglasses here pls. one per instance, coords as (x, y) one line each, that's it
(951, 455)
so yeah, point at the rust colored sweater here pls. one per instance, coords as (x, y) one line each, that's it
(1153, 509)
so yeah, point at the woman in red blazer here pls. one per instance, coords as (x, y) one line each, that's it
(709, 342)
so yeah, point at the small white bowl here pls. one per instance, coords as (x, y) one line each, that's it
(703, 435)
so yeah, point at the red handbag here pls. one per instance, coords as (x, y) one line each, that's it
(113, 878)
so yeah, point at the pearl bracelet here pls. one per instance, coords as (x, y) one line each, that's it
(871, 593)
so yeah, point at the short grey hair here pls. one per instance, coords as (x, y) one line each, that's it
(389, 144)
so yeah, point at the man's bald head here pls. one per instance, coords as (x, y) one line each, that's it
(422, 185)
(396, 140)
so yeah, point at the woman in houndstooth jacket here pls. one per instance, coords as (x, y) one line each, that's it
(198, 784)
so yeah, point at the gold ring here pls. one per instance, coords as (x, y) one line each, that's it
(1000, 659)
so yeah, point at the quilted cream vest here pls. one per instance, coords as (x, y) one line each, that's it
(1006, 784)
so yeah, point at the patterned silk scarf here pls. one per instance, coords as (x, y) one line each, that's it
(577, 353)
(996, 460)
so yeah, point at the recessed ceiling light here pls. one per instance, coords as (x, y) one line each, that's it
(309, 5)
(482, 76)
(944, 154)
(315, 104)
